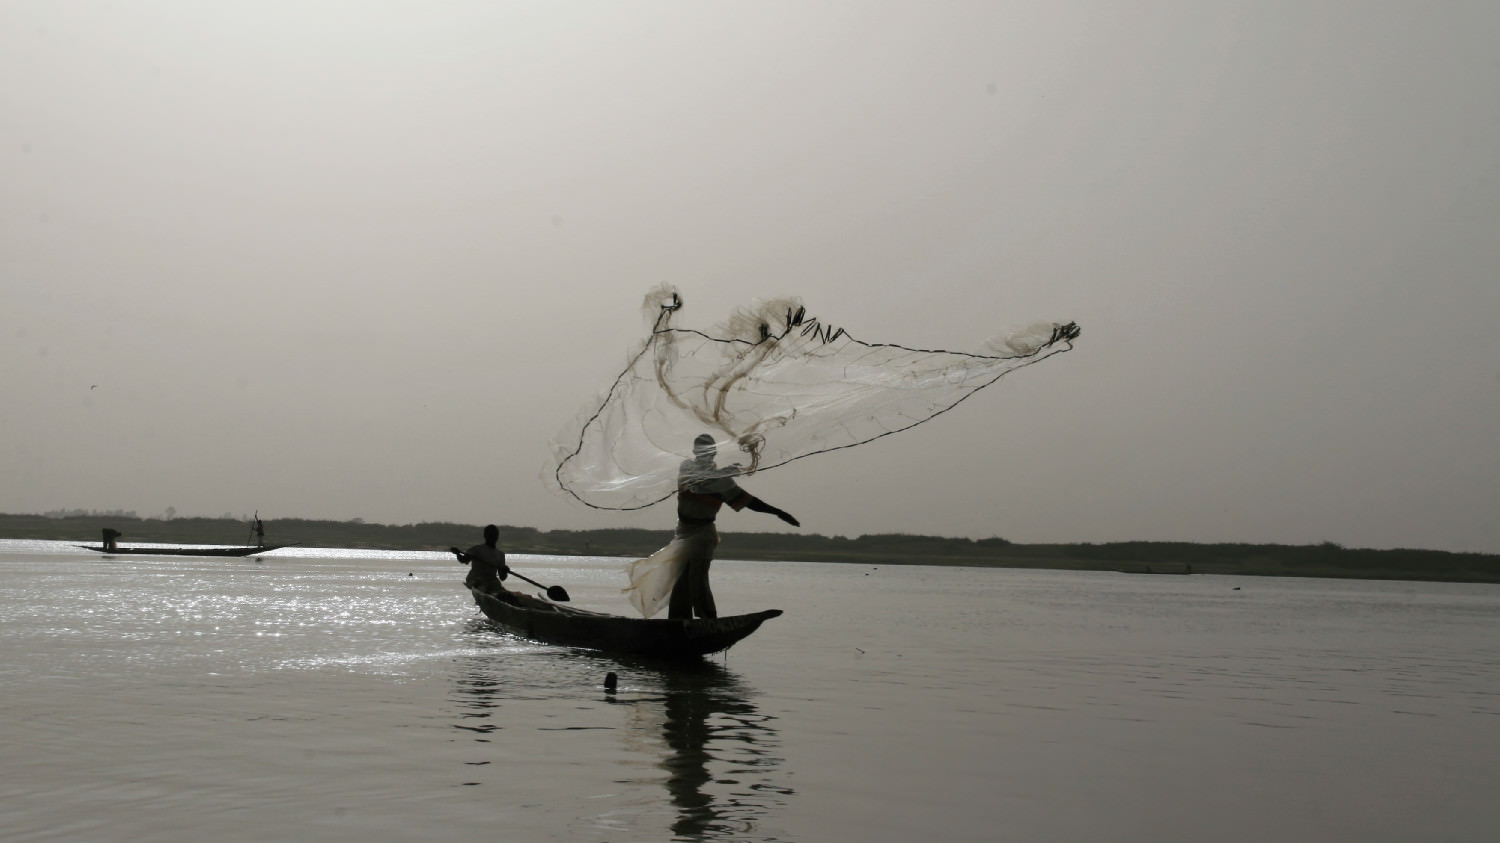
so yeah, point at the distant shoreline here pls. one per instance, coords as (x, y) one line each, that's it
(1158, 558)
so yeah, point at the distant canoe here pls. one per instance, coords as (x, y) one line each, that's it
(184, 551)
(566, 626)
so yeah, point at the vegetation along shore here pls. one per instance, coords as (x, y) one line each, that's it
(1321, 560)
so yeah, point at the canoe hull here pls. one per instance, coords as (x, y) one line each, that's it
(183, 551)
(566, 626)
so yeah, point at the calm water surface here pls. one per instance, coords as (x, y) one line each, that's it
(356, 695)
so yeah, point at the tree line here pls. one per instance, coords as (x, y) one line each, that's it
(1133, 557)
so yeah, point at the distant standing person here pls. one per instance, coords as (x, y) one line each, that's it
(111, 537)
(702, 488)
(260, 532)
(486, 563)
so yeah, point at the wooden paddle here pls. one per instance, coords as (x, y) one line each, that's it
(554, 592)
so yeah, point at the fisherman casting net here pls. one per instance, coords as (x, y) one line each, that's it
(774, 384)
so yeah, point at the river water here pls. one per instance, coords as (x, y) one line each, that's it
(356, 695)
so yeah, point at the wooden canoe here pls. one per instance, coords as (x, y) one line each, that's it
(184, 551)
(551, 623)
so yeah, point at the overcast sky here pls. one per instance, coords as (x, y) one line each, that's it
(358, 259)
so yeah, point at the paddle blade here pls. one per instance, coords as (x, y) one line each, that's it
(558, 593)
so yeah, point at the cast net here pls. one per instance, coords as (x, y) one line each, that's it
(772, 382)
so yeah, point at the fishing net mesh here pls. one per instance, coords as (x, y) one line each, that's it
(771, 383)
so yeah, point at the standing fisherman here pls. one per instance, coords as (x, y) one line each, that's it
(702, 488)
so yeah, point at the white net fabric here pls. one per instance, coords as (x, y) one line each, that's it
(772, 382)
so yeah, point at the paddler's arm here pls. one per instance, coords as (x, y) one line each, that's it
(759, 505)
(463, 558)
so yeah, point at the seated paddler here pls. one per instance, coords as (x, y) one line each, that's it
(486, 563)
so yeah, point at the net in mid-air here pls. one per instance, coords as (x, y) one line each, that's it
(772, 382)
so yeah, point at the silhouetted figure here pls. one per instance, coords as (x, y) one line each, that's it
(260, 533)
(111, 537)
(486, 563)
(702, 488)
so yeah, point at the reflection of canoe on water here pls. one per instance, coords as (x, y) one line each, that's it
(185, 551)
(570, 627)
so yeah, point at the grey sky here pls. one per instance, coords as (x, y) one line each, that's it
(339, 260)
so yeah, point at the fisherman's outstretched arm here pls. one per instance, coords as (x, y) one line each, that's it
(759, 505)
